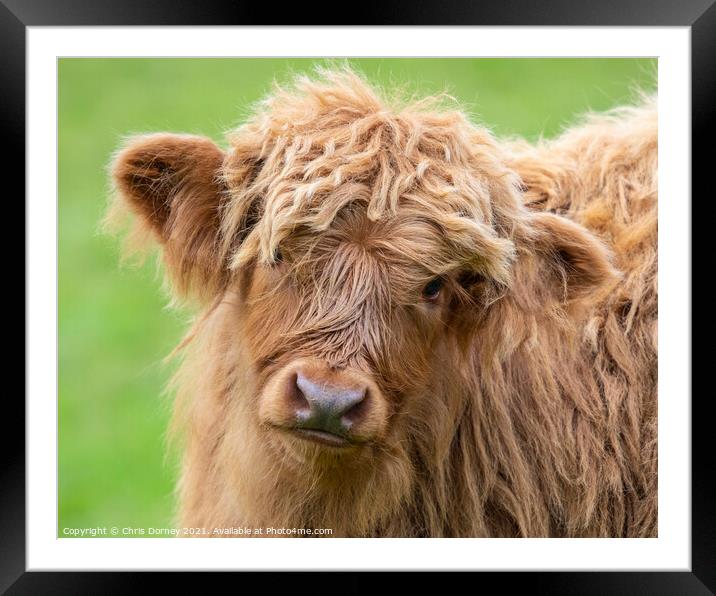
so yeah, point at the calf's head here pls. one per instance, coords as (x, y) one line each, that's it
(355, 253)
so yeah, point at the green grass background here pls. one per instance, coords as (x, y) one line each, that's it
(114, 328)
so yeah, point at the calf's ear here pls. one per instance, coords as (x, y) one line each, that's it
(577, 262)
(172, 185)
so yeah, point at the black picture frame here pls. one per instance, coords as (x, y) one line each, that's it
(699, 15)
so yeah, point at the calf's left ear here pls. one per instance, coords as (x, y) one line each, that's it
(172, 185)
(577, 261)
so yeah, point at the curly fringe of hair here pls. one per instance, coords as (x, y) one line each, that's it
(312, 149)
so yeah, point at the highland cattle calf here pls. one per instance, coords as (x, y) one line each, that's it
(407, 327)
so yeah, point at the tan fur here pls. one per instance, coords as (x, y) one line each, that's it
(522, 402)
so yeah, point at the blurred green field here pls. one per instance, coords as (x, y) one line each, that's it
(114, 328)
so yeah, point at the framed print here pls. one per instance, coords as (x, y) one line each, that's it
(416, 297)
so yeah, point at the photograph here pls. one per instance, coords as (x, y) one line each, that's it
(357, 297)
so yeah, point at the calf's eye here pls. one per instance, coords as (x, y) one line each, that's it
(431, 291)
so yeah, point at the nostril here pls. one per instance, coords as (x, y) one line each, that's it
(357, 410)
(295, 396)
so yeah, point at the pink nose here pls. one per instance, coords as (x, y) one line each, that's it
(329, 408)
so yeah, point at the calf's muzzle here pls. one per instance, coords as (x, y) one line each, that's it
(311, 400)
(326, 408)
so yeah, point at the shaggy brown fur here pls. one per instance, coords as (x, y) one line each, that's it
(521, 401)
